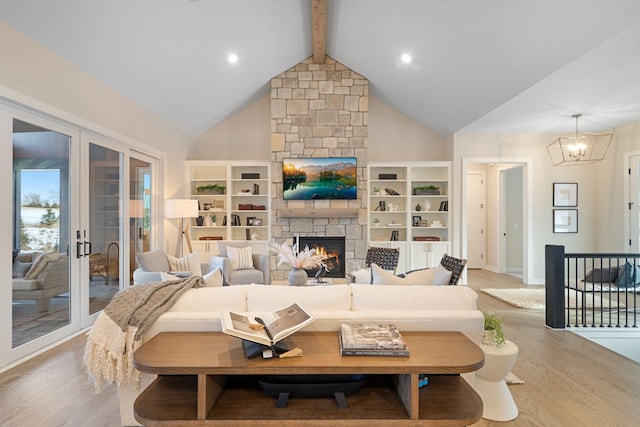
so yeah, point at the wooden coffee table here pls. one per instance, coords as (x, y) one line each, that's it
(205, 379)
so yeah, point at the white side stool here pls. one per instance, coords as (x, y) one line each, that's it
(489, 383)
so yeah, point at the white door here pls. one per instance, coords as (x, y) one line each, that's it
(634, 204)
(476, 219)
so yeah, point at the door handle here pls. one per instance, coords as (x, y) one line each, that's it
(79, 250)
(85, 244)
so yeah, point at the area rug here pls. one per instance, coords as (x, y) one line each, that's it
(512, 379)
(534, 298)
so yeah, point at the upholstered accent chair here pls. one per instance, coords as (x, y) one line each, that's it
(239, 265)
(40, 277)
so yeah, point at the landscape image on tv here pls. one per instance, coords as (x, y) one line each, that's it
(319, 178)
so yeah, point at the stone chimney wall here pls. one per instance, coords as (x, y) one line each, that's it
(319, 110)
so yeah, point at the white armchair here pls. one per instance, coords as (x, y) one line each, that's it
(241, 269)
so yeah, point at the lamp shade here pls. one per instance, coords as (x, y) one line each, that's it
(182, 208)
(136, 209)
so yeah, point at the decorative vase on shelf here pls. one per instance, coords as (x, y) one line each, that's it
(200, 221)
(297, 277)
(207, 221)
(427, 206)
(418, 207)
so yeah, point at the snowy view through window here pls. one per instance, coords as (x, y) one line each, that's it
(40, 210)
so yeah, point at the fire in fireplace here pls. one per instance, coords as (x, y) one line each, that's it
(333, 248)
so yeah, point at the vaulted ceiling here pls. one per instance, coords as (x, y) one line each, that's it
(498, 66)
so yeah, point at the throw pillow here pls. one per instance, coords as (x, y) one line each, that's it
(168, 277)
(189, 262)
(601, 275)
(423, 276)
(40, 263)
(20, 269)
(628, 276)
(383, 277)
(153, 261)
(240, 258)
(441, 275)
(214, 278)
(362, 276)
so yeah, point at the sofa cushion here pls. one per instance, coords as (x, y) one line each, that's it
(212, 299)
(312, 298)
(403, 297)
(189, 262)
(24, 285)
(153, 261)
(361, 276)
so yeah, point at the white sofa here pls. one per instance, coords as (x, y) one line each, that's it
(411, 308)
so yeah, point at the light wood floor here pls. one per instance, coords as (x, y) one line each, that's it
(569, 381)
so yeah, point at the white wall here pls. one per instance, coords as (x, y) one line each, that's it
(601, 213)
(34, 75)
(243, 136)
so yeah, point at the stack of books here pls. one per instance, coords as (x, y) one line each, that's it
(370, 339)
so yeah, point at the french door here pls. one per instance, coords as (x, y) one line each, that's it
(80, 206)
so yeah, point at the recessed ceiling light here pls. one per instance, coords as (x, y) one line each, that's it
(233, 58)
(406, 58)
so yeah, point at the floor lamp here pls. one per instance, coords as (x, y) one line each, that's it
(181, 209)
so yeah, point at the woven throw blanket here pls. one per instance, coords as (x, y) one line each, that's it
(118, 330)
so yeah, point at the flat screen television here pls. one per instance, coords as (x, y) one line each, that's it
(319, 178)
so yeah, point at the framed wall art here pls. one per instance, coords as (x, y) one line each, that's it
(565, 194)
(565, 220)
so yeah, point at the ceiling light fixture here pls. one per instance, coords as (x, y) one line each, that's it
(406, 58)
(579, 148)
(233, 58)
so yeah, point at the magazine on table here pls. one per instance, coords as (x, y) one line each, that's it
(266, 328)
(372, 339)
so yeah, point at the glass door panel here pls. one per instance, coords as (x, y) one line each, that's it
(104, 239)
(41, 297)
(139, 210)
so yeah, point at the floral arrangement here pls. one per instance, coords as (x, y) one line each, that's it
(289, 254)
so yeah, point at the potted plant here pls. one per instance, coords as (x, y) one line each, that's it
(429, 190)
(214, 218)
(376, 191)
(376, 222)
(493, 334)
(210, 189)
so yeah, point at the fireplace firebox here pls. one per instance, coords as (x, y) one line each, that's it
(333, 248)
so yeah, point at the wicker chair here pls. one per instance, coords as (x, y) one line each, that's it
(385, 258)
(455, 266)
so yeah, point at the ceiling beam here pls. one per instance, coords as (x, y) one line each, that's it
(319, 26)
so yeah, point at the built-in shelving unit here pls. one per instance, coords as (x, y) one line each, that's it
(409, 209)
(235, 206)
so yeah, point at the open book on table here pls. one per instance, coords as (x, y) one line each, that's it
(277, 325)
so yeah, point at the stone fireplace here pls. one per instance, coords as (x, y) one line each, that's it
(320, 110)
(332, 248)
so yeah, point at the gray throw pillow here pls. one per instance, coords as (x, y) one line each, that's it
(602, 275)
(153, 261)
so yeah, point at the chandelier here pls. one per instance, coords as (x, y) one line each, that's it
(579, 148)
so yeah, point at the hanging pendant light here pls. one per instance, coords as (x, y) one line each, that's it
(579, 148)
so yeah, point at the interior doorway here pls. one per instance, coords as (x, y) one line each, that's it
(507, 210)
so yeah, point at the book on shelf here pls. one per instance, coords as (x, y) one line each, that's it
(444, 206)
(372, 339)
(266, 328)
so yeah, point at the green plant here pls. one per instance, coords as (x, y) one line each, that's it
(210, 187)
(376, 220)
(493, 322)
(376, 190)
(214, 218)
(426, 187)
